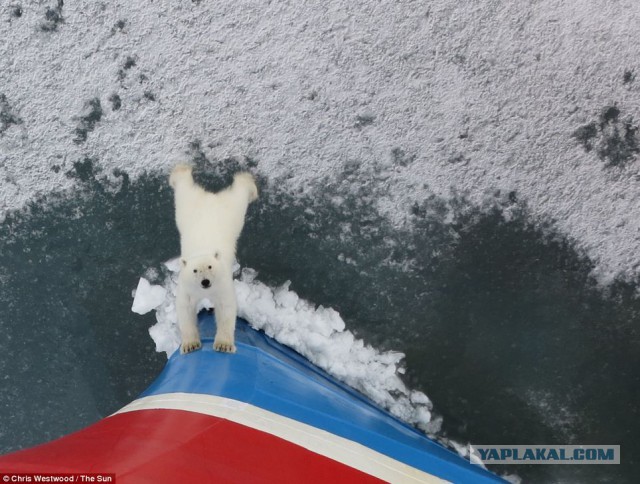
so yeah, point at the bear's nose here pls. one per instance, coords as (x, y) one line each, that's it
(205, 283)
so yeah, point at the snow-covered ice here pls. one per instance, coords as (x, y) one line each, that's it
(475, 97)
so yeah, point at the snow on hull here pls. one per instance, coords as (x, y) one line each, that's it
(317, 333)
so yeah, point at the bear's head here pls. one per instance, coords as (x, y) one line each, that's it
(201, 269)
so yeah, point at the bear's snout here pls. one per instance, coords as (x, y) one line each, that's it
(205, 283)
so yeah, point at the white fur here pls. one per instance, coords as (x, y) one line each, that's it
(209, 226)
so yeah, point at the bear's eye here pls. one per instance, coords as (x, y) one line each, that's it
(209, 267)
(195, 271)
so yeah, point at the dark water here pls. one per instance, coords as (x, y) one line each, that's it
(501, 324)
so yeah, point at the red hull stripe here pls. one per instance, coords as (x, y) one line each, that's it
(318, 441)
(171, 446)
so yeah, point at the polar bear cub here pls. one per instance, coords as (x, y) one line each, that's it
(209, 225)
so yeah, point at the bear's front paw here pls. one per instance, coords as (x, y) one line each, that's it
(189, 346)
(224, 345)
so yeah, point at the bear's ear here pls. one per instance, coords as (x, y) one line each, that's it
(217, 255)
(184, 262)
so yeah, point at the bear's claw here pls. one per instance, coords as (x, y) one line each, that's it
(189, 346)
(224, 346)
